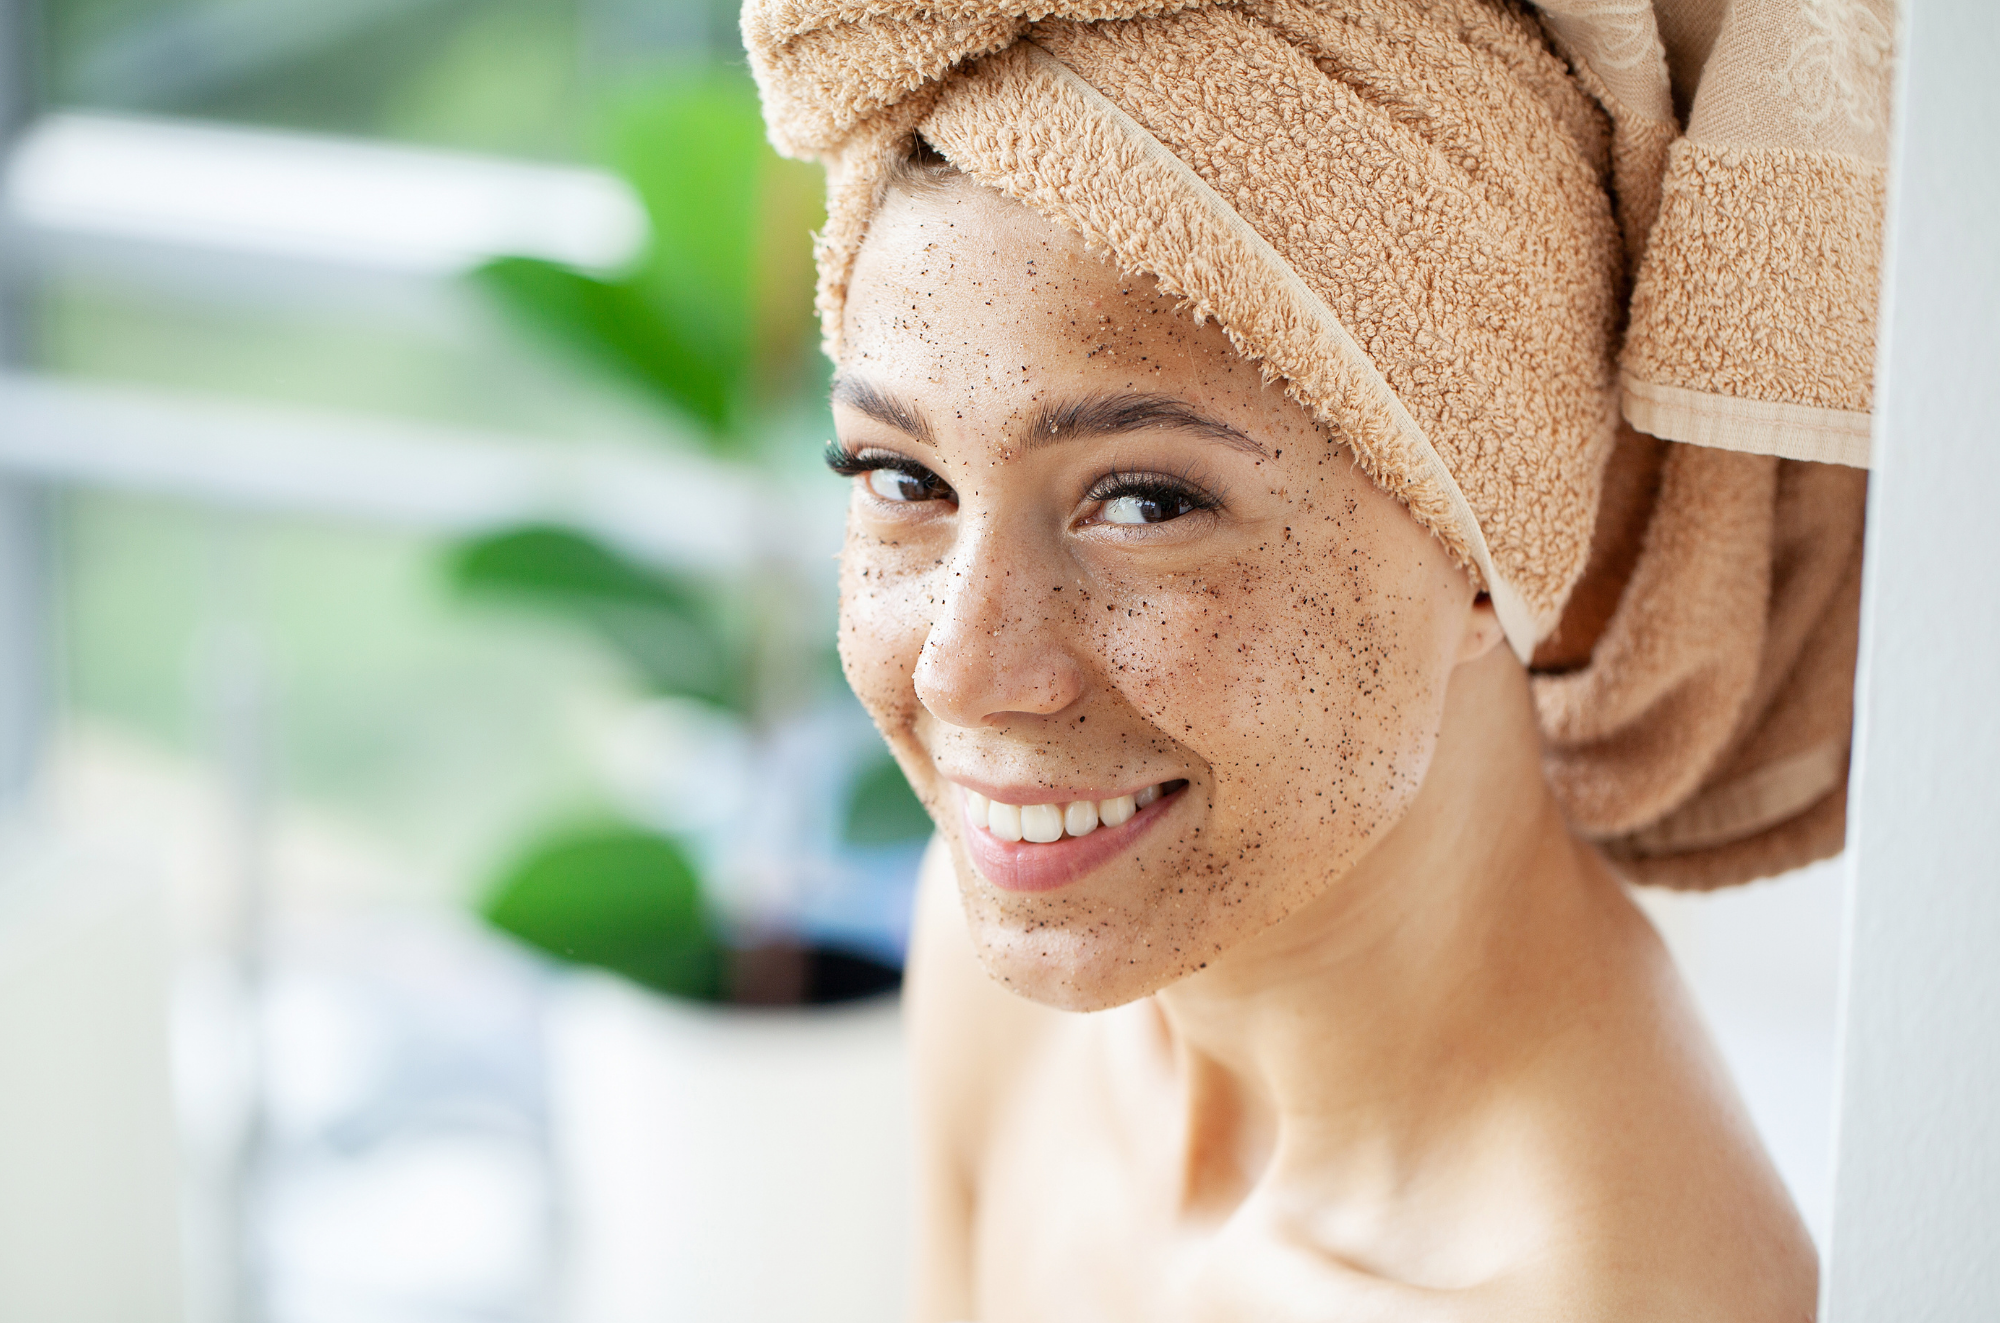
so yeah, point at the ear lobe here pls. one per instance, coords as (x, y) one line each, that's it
(1482, 630)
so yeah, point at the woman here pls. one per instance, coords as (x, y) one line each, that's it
(1226, 394)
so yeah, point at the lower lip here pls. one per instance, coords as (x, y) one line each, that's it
(1026, 866)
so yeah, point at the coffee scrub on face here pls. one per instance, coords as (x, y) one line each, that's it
(1252, 561)
(1092, 553)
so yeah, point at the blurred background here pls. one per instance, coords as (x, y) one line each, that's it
(442, 873)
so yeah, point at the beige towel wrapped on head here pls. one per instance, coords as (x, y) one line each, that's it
(1463, 239)
(1699, 709)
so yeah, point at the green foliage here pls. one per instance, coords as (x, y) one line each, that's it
(696, 154)
(615, 326)
(715, 320)
(715, 324)
(673, 632)
(619, 898)
(883, 810)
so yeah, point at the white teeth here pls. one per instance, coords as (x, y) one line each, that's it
(1004, 820)
(1045, 823)
(1041, 823)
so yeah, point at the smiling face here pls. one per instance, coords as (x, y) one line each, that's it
(1160, 658)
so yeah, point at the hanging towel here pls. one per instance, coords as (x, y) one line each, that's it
(1697, 697)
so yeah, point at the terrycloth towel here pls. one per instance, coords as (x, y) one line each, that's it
(1697, 697)
(1466, 237)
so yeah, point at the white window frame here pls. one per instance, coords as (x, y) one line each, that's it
(1916, 1221)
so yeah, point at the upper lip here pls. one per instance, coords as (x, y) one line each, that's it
(1037, 794)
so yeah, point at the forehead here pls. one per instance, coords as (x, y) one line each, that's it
(959, 288)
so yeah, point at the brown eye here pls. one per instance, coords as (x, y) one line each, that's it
(1151, 508)
(1134, 500)
(904, 485)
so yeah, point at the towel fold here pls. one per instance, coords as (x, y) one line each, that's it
(1697, 698)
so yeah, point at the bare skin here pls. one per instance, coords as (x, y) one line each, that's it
(1348, 1027)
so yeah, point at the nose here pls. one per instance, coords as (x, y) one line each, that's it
(1000, 644)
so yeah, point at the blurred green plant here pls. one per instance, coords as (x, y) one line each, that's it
(715, 320)
(619, 898)
(714, 324)
(670, 630)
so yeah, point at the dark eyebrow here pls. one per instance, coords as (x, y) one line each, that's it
(1072, 420)
(870, 400)
(1113, 415)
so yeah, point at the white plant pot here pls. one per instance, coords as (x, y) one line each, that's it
(720, 1165)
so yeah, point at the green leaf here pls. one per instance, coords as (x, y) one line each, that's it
(670, 631)
(620, 328)
(715, 320)
(883, 810)
(620, 899)
(547, 558)
(694, 149)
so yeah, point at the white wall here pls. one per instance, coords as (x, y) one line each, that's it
(1916, 1229)
(88, 1160)
(1763, 963)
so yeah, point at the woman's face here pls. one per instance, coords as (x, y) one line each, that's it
(1092, 558)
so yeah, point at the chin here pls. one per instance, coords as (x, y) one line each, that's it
(1068, 973)
(1077, 951)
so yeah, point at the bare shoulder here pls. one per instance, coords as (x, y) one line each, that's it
(1613, 1176)
(1665, 1204)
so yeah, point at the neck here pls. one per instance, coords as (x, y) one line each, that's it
(1359, 1026)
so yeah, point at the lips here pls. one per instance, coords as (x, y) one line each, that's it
(1040, 847)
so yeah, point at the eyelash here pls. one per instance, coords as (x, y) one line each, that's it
(852, 464)
(1111, 487)
(1155, 487)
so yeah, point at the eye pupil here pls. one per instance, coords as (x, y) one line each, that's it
(902, 486)
(1146, 508)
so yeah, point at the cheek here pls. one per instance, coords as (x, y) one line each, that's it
(885, 615)
(1309, 683)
